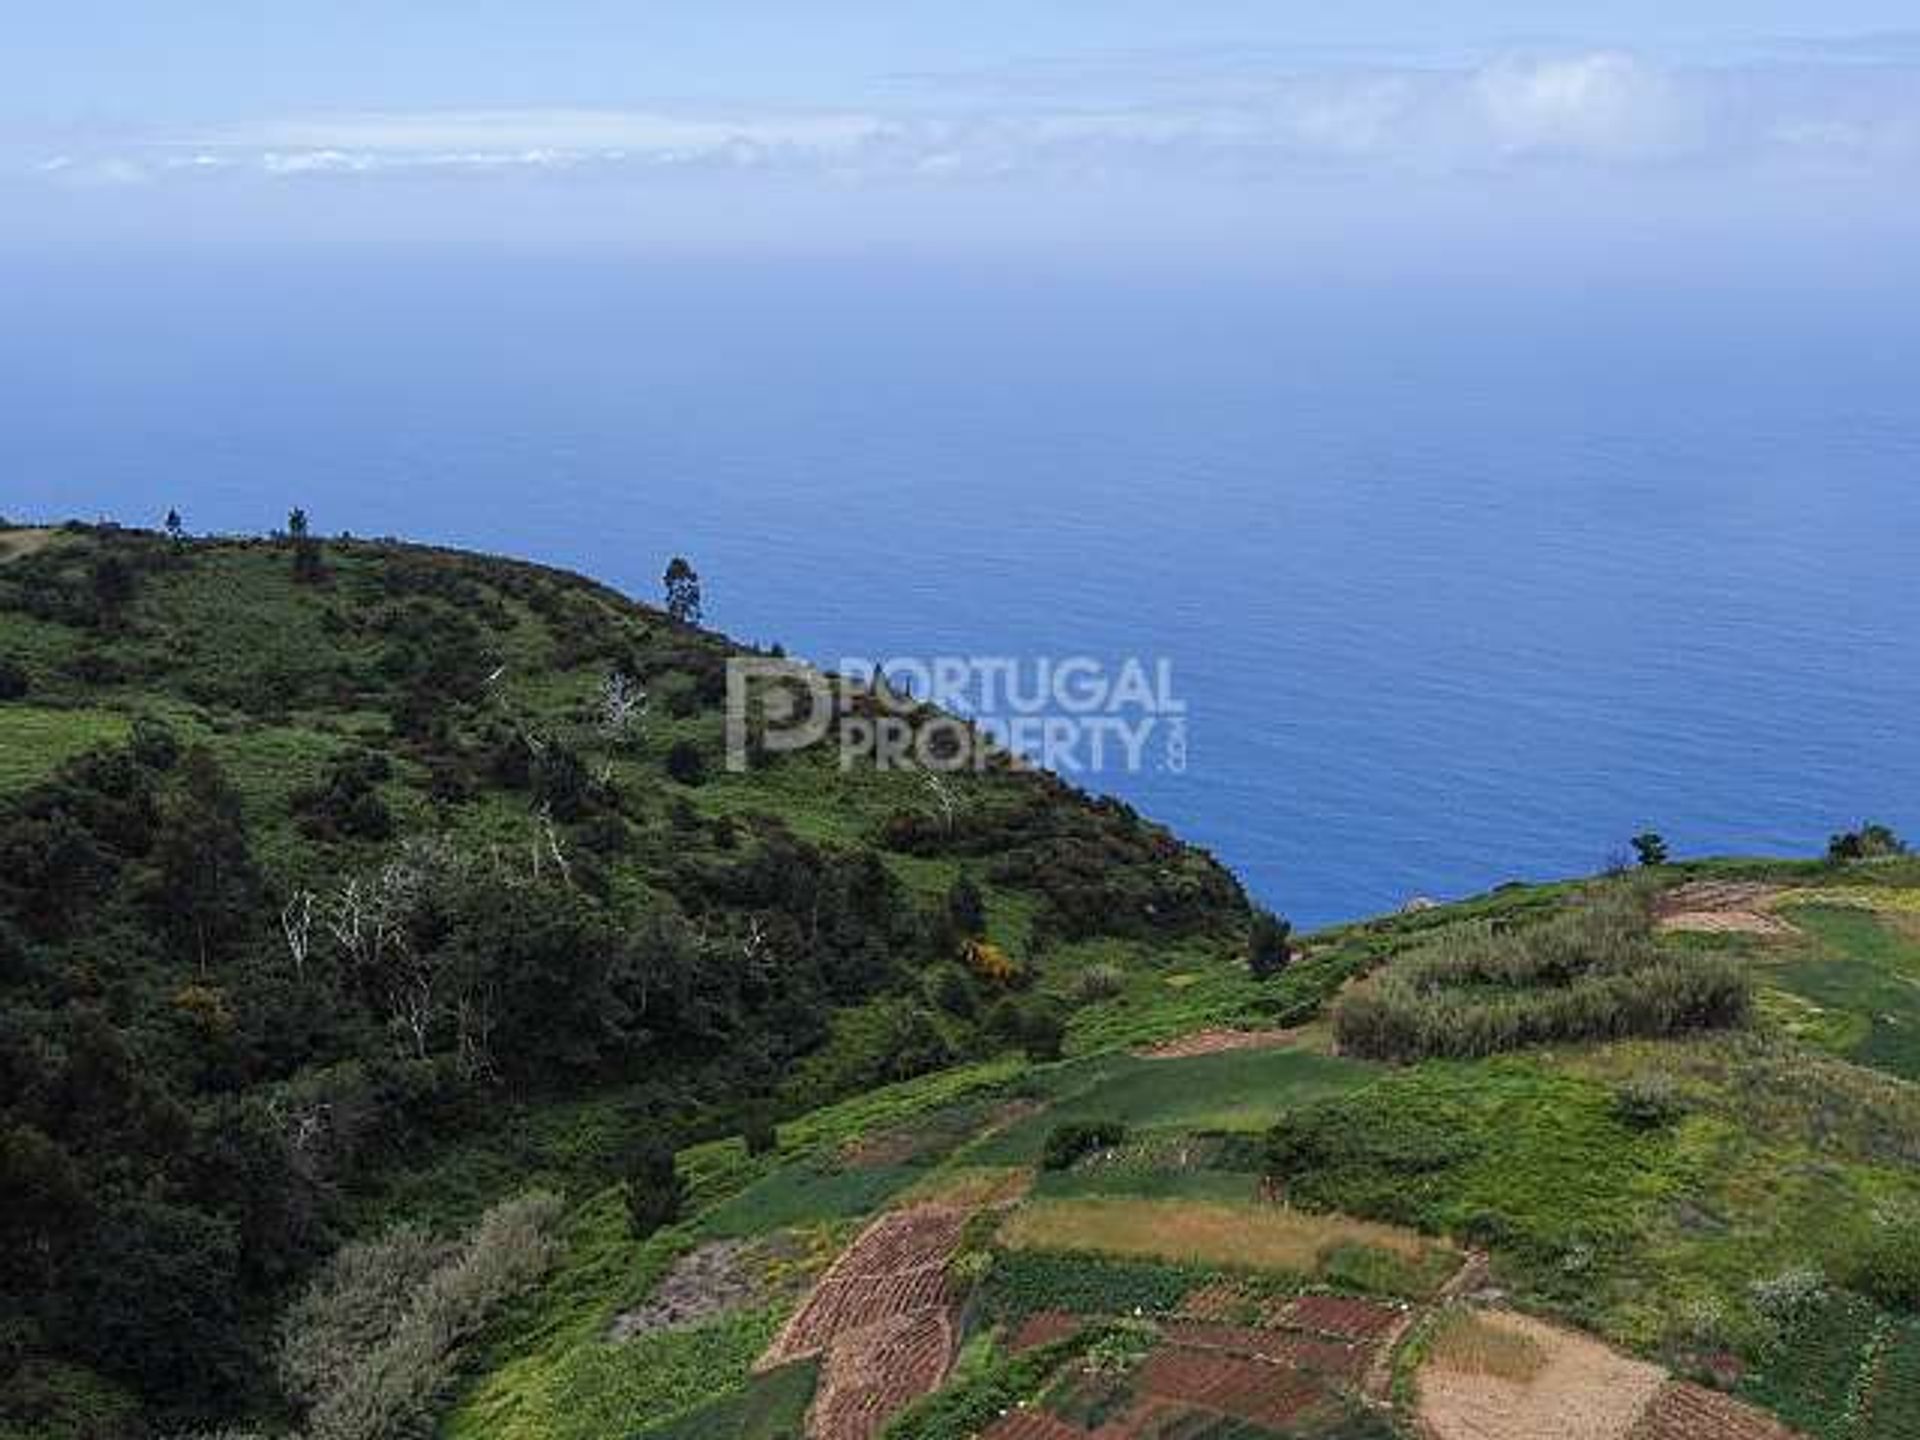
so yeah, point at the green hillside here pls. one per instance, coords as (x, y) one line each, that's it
(404, 1030)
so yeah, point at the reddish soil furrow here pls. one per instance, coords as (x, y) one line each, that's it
(1271, 1395)
(1332, 1359)
(903, 1240)
(1340, 1316)
(1687, 1412)
(1221, 1300)
(896, 1267)
(1032, 1424)
(873, 1373)
(1043, 1329)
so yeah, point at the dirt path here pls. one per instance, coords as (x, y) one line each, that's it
(1578, 1389)
(1216, 1042)
(15, 543)
(1377, 1387)
(1524, 1379)
(1723, 907)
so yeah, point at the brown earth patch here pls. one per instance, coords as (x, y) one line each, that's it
(871, 1374)
(1276, 1396)
(1341, 1316)
(723, 1276)
(1216, 1042)
(1226, 1301)
(1576, 1388)
(16, 543)
(1043, 1329)
(1722, 907)
(935, 1134)
(1032, 1424)
(1330, 1359)
(703, 1283)
(1688, 1412)
(880, 1320)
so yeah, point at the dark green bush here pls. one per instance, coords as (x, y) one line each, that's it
(1043, 1031)
(1069, 1143)
(1269, 947)
(1869, 842)
(1649, 1102)
(1887, 1267)
(685, 763)
(656, 1193)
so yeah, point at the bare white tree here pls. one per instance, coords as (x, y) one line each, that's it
(303, 1125)
(623, 702)
(369, 919)
(546, 846)
(943, 796)
(296, 923)
(474, 1018)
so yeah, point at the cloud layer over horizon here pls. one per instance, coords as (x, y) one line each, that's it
(1782, 130)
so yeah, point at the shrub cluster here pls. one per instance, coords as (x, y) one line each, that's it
(1887, 1267)
(1595, 972)
(1069, 1143)
(372, 1346)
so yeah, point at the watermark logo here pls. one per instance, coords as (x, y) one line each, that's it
(1074, 716)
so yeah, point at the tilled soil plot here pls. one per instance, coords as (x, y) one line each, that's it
(1722, 907)
(880, 1320)
(1581, 1391)
(1687, 1412)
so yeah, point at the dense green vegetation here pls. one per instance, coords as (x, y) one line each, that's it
(769, 1407)
(343, 883)
(1857, 976)
(397, 990)
(1593, 972)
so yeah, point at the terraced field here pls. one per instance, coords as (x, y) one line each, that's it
(1160, 1288)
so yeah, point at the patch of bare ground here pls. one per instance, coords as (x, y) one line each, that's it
(871, 1374)
(880, 1319)
(1033, 1424)
(1043, 1328)
(723, 1276)
(1687, 1412)
(15, 543)
(1723, 907)
(1511, 1377)
(1216, 1042)
(709, 1281)
(904, 1144)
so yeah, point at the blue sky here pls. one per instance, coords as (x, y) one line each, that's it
(999, 123)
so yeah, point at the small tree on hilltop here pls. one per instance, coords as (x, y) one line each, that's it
(683, 591)
(1269, 945)
(176, 529)
(655, 1191)
(308, 566)
(1649, 848)
(1869, 842)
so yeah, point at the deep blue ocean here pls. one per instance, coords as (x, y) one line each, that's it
(1459, 583)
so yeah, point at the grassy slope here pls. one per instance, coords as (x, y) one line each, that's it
(280, 680)
(1788, 1150)
(1654, 1236)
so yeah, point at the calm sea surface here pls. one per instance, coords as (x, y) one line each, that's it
(1457, 587)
